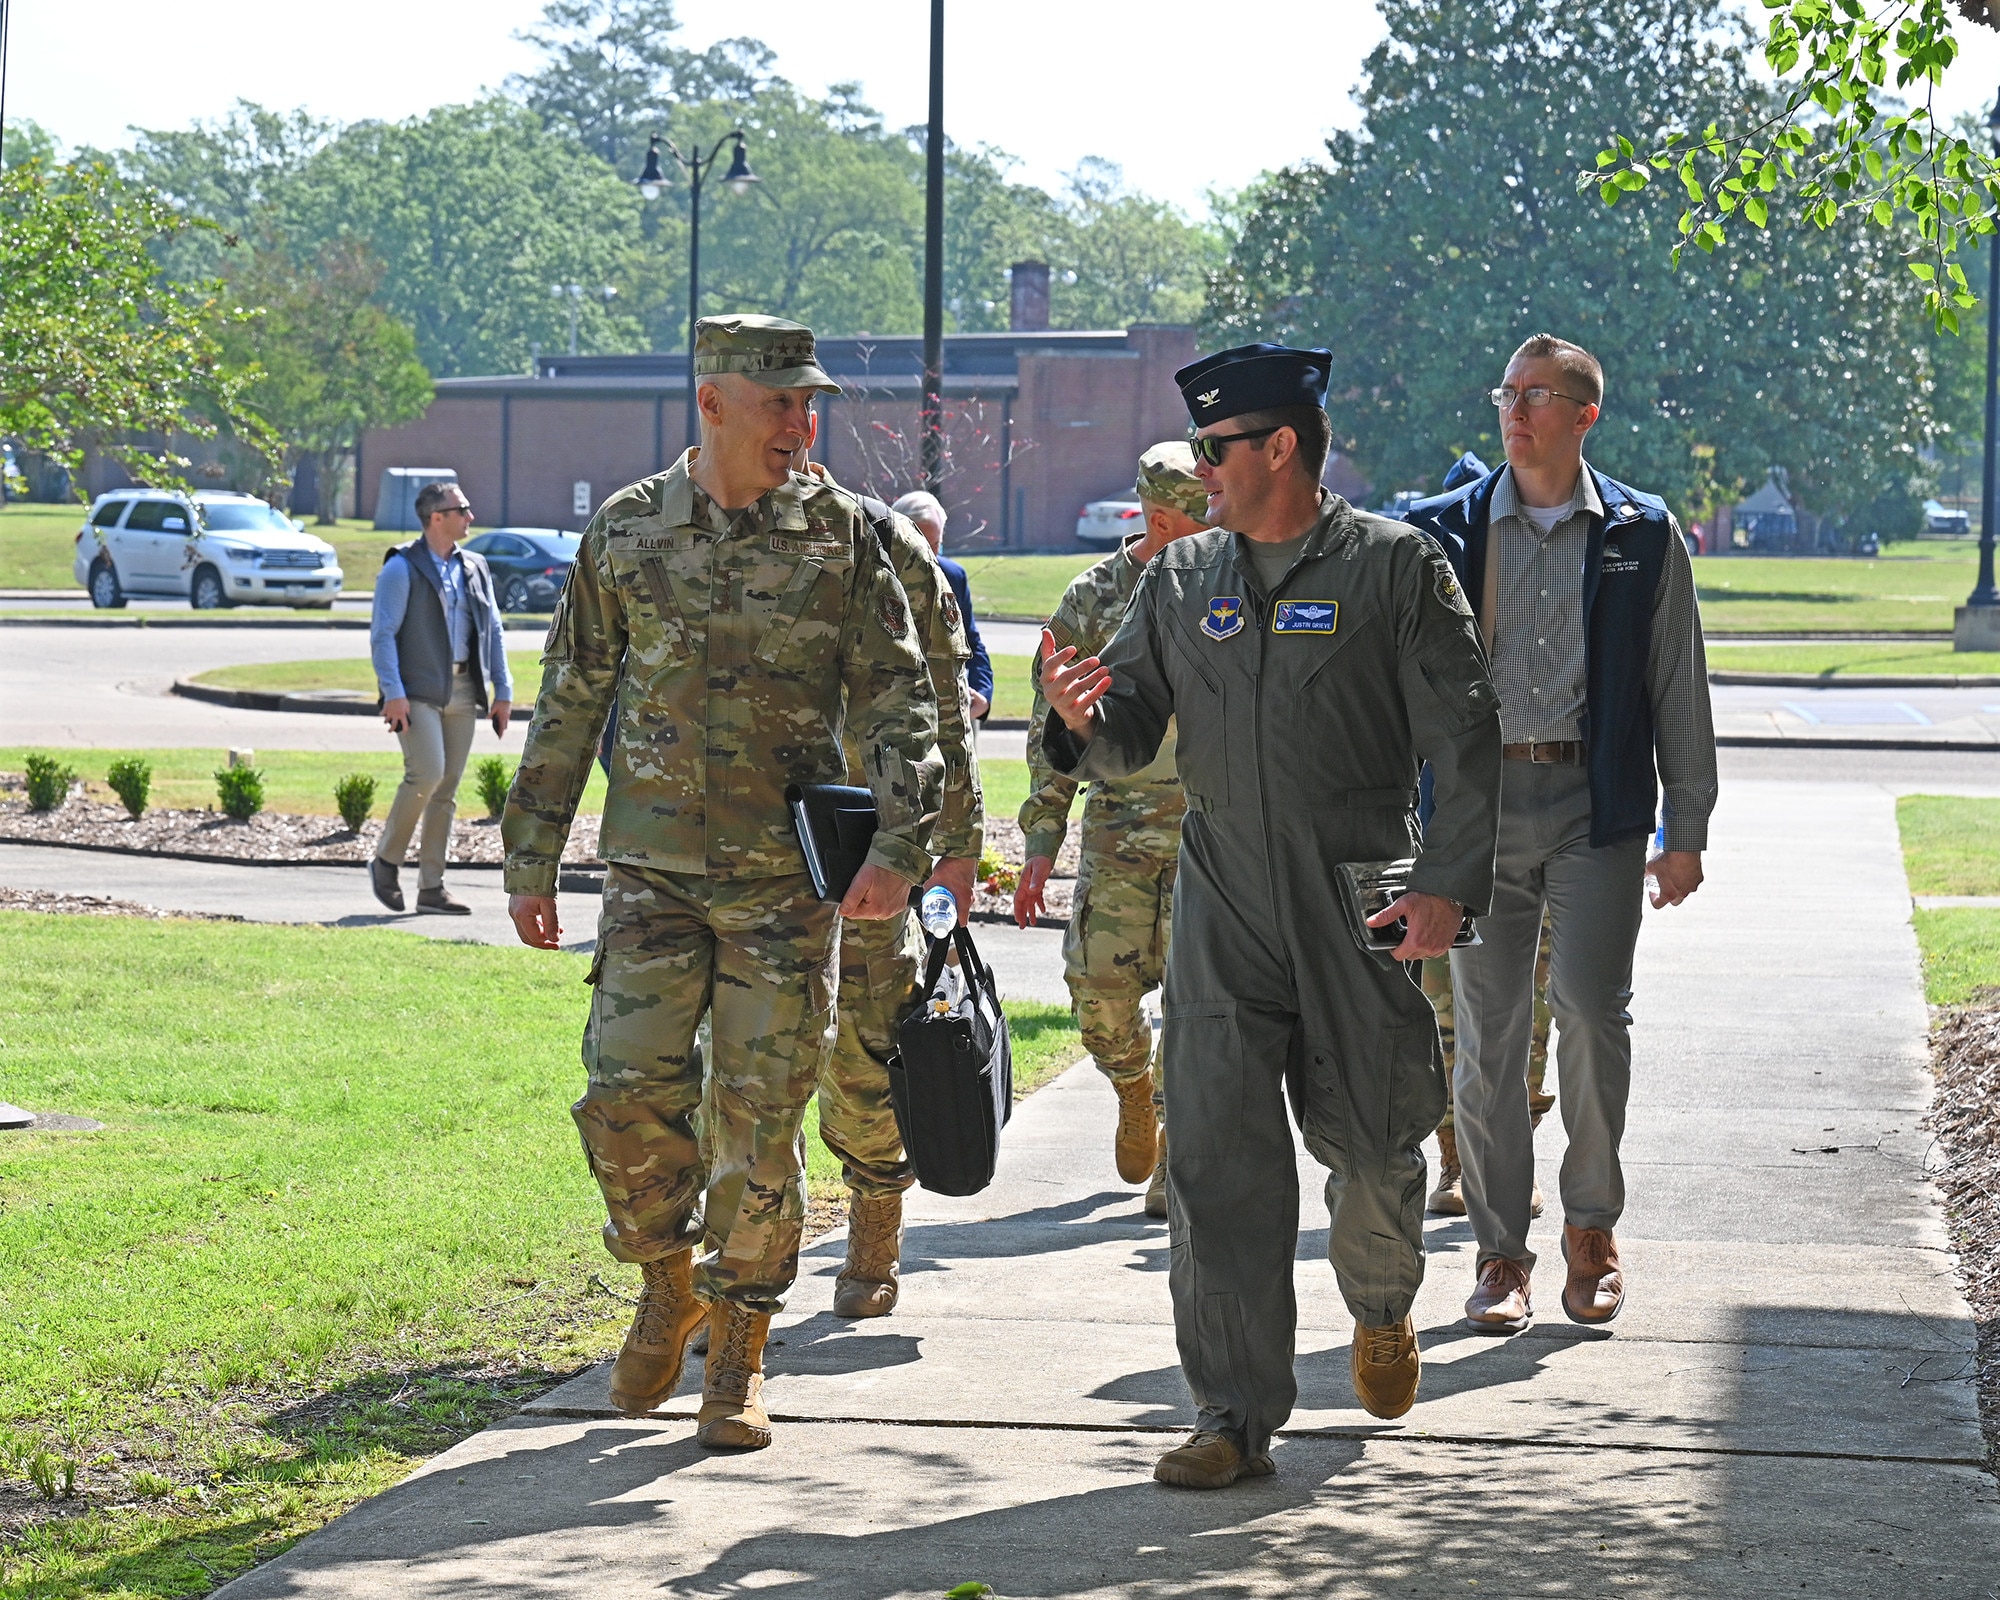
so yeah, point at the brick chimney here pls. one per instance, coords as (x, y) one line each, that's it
(1030, 310)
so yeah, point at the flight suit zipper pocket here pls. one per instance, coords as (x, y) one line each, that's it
(791, 605)
(654, 571)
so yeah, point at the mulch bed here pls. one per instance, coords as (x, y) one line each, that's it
(1965, 1055)
(268, 836)
(97, 905)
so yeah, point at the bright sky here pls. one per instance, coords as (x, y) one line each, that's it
(1159, 86)
(1184, 96)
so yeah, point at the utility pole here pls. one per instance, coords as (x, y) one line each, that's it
(1976, 624)
(933, 416)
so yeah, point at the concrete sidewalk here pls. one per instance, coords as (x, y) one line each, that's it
(1782, 1409)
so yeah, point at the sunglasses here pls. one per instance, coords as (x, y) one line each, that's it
(1209, 448)
(459, 510)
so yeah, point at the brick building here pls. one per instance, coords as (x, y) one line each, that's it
(1038, 422)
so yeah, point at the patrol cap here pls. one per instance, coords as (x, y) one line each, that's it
(767, 350)
(1166, 478)
(1253, 377)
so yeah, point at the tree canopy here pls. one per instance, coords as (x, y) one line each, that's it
(1449, 228)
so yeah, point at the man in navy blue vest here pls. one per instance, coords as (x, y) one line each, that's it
(1585, 595)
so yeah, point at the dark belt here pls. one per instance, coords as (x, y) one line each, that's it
(1547, 752)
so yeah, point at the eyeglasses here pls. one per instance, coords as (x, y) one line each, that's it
(458, 510)
(1209, 448)
(1506, 399)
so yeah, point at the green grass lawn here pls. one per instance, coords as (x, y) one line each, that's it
(337, 1220)
(298, 781)
(1951, 845)
(1911, 585)
(38, 545)
(1022, 586)
(1835, 659)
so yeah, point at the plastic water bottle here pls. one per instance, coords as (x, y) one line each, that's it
(939, 912)
(1652, 885)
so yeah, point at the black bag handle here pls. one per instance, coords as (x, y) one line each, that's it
(968, 956)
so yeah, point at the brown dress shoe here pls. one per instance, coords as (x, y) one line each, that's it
(1138, 1148)
(440, 901)
(1448, 1198)
(1500, 1302)
(1387, 1368)
(1156, 1191)
(1535, 1200)
(868, 1284)
(384, 878)
(732, 1391)
(1595, 1292)
(1209, 1461)
(648, 1368)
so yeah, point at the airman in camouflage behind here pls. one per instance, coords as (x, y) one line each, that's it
(881, 961)
(738, 618)
(1115, 952)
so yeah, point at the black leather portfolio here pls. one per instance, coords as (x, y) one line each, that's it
(835, 824)
(1370, 887)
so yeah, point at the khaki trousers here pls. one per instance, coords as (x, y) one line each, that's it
(435, 743)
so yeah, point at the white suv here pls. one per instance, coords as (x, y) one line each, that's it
(217, 549)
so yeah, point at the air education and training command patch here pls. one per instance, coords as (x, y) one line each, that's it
(1305, 616)
(1225, 617)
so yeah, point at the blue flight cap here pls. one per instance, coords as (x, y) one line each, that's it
(1253, 377)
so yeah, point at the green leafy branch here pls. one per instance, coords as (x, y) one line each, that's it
(1834, 142)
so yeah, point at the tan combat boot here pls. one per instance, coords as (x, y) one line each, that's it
(1156, 1191)
(1448, 1198)
(867, 1285)
(1138, 1146)
(732, 1390)
(1209, 1461)
(649, 1363)
(1386, 1368)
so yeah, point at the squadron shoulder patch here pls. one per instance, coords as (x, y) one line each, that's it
(1305, 616)
(1449, 594)
(890, 613)
(1225, 617)
(948, 604)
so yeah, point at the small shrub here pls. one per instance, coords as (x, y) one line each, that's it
(494, 780)
(132, 781)
(240, 791)
(999, 874)
(354, 798)
(48, 782)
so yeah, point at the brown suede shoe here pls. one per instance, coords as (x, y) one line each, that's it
(1387, 1368)
(1209, 1461)
(1595, 1292)
(1500, 1302)
(732, 1391)
(868, 1283)
(1448, 1198)
(648, 1367)
(1535, 1200)
(384, 877)
(1138, 1148)
(1156, 1191)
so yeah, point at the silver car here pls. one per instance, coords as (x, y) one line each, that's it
(1109, 521)
(215, 549)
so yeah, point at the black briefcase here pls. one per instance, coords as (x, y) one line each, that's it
(952, 1082)
(836, 824)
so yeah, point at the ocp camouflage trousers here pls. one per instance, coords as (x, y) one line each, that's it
(880, 967)
(1437, 986)
(1115, 953)
(756, 953)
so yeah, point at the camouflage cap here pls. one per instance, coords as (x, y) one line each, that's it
(767, 350)
(1166, 478)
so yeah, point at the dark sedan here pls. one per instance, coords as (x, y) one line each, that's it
(529, 564)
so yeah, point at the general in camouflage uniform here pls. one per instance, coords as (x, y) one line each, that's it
(736, 644)
(1115, 951)
(881, 961)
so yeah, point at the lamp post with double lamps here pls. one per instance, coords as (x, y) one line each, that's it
(698, 167)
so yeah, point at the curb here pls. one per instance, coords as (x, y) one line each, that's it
(1813, 680)
(1759, 741)
(333, 702)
